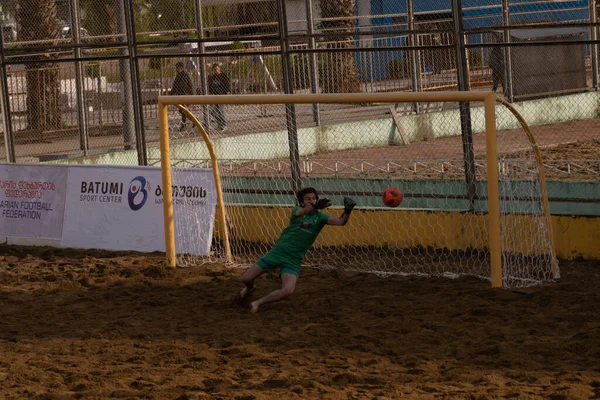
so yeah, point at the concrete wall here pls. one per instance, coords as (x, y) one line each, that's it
(350, 135)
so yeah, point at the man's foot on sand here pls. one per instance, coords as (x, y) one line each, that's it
(253, 307)
(244, 293)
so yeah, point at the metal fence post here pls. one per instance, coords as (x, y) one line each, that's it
(288, 86)
(135, 86)
(415, 59)
(508, 81)
(594, 47)
(201, 63)
(462, 70)
(82, 120)
(9, 144)
(125, 73)
(314, 83)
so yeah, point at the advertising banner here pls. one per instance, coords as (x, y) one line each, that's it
(32, 200)
(121, 208)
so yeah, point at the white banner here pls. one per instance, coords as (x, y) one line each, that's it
(121, 208)
(32, 200)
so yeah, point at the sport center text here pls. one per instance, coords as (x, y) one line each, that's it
(102, 192)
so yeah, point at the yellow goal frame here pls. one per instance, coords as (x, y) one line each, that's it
(488, 98)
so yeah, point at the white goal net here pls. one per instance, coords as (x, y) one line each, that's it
(429, 147)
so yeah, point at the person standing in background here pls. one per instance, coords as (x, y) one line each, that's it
(497, 66)
(182, 86)
(218, 84)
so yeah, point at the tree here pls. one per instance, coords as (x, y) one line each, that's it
(255, 17)
(37, 20)
(338, 72)
(8, 7)
(99, 16)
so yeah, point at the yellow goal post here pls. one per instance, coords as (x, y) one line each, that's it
(487, 98)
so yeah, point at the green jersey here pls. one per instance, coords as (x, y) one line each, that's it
(300, 234)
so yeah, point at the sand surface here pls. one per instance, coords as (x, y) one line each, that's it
(95, 325)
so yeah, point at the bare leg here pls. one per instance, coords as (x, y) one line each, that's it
(288, 286)
(248, 278)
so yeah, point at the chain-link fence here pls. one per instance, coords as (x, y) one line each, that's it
(80, 78)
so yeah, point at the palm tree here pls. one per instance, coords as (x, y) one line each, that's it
(252, 16)
(100, 17)
(338, 72)
(37, 20)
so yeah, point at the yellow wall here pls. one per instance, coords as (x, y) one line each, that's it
(573, 236)
(576, 236)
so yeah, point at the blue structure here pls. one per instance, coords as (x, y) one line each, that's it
(438, 13)
(483, 13)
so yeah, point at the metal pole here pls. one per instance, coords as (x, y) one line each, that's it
(100, 106)
(363, 12)
(312, 58)
(202, 64)
(332, 98)
(462, 71)
(508, 81)
(79, 87)
(9, 145)
(125, 72)
(491, 149)
(594, 36)
(183, 14)
(415, 59)
(165, 161)
(137, 93)
(289, 89)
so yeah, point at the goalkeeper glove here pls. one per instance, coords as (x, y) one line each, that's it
(322, 203)
(349, 205)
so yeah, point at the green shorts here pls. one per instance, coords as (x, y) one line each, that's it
(273, 260)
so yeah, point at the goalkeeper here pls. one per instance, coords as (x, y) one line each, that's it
(305, 225)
